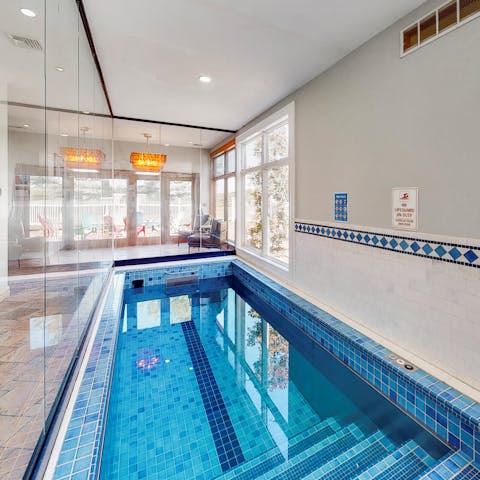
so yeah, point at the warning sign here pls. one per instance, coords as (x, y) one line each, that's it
(405, 208)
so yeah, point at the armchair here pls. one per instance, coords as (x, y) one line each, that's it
(214, 239)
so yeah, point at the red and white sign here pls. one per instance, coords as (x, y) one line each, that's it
(405, 208)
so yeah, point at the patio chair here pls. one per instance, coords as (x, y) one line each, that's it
(139, 222)
(110, 227)
(215, 239)
(47, 227)
(200, 223)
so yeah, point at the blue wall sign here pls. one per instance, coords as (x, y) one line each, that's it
(341, 207)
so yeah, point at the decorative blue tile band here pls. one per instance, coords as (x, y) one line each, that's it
(226, 442)
(468, 255)
(445, 411)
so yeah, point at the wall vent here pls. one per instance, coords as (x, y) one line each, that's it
(444, 19)
(25, 42)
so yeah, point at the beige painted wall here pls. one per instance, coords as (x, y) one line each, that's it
(375, 121)
(372, 122)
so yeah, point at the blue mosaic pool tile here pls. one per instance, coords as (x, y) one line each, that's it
(79, 456)
(447, 468)
(468, 473)
(355, 460)
(422, 396)
(467, 255)
(158, 275)
(226, 442)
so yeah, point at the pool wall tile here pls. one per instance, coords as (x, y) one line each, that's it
(432, 402)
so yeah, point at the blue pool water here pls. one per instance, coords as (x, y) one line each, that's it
(209, 382)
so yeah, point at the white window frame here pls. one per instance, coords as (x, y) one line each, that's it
(272, 122)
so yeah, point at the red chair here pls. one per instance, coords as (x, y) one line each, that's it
(140, 224)
(110, 226)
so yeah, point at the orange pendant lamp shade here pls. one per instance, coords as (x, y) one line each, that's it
(147, 162)
(82, 157)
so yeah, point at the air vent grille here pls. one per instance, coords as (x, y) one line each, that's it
(25, 42)
(444, 19)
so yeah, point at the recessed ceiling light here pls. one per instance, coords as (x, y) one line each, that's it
(64, 134)
(191, 143)
(166, 144)
(86, 112)
(205, 78)
(28, 13)
(59, 69)
(26, 125)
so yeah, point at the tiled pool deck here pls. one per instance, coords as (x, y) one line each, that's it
(454, 417)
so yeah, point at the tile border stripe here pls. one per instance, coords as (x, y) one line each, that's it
(457, 253)
(226, 442)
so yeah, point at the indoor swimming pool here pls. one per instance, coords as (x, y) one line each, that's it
(210, 383)
(214, 371)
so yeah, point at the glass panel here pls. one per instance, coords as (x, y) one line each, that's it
(231, 161)
(253, 152)
(468, 7)
(410, 38)
(278, 143)
(253, 210)
(100, 213)
(46, 202)
(180, 205)
(428, 27)
(278, 213)
(219, 166)
(149, 214)
(231, 212)
(447, 16)
(220, 199)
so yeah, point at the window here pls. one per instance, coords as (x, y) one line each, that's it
(266, 168)
(224, 186)
(447, 17)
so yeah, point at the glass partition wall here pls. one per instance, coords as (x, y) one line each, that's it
(69, 209)
(53, 120)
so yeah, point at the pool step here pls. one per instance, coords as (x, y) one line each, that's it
(308, 461)
(451, 466)
(271, 459)
(356, 459)
(405, 463)
(468, 473)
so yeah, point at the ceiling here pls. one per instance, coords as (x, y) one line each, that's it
(31, 75)
(256, 51)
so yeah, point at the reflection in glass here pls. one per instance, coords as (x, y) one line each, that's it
(180, 205)
(149, 214)
(219, 199)
(231, 205)
(45, 331)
